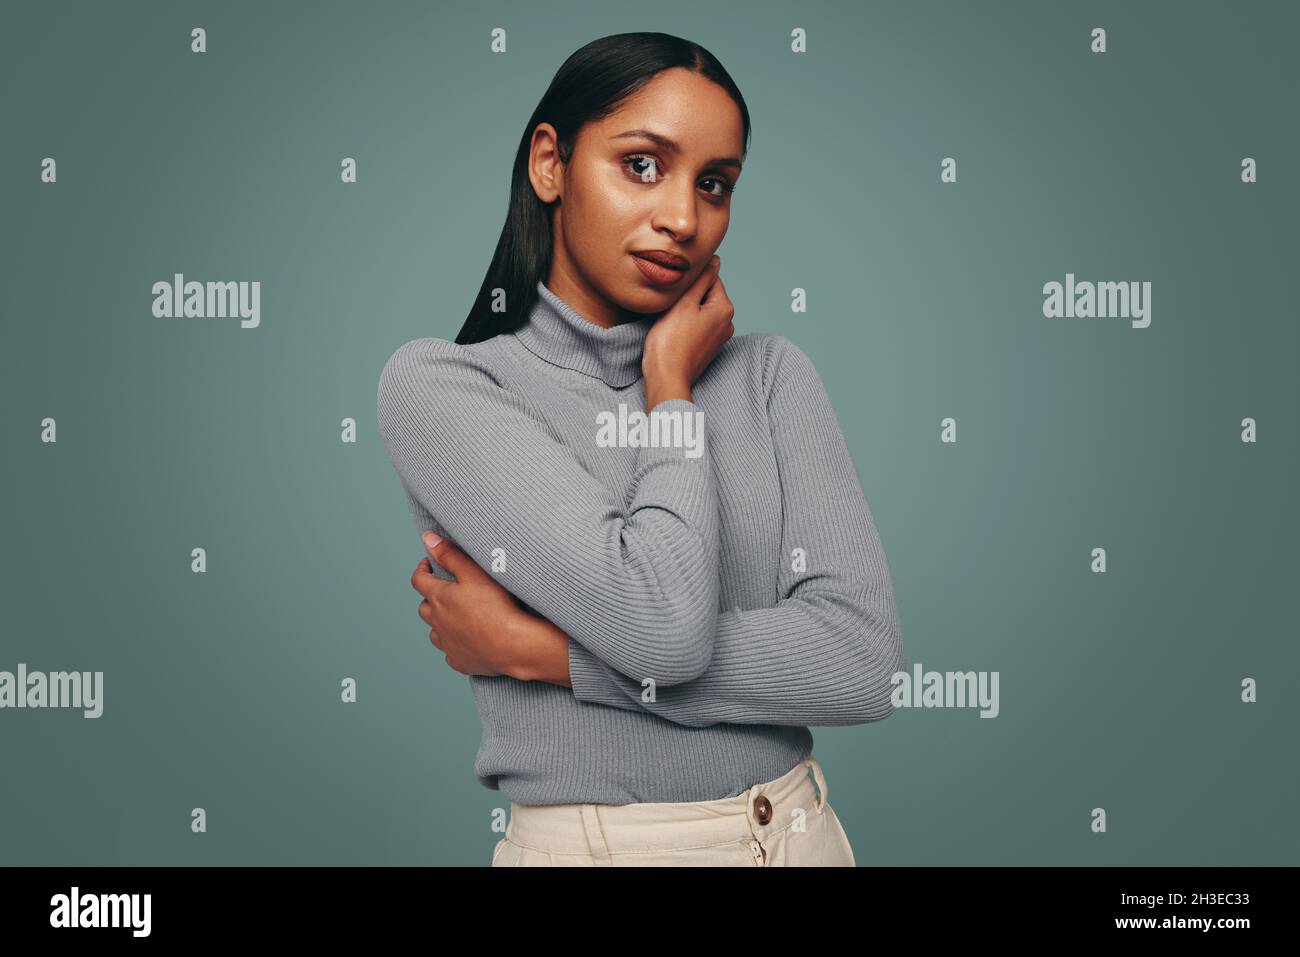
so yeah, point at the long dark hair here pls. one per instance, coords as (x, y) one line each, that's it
(588, 86)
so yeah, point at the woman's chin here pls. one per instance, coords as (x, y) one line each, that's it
(646, 299)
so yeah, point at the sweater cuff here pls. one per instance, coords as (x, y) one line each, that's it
(677, 473)
(589, 679)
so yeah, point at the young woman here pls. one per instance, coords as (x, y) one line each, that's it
(653, 608)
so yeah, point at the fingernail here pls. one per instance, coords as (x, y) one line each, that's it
(431, 539)
(717, 260)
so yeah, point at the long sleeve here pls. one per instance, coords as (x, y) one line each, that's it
(636, 580)
(825, 653)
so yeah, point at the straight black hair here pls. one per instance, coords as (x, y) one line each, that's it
(588, 86)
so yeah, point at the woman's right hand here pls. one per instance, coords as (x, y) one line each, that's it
(687, 337)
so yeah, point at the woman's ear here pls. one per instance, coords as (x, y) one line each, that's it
(545, 168)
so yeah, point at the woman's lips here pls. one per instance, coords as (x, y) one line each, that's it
(657, 274)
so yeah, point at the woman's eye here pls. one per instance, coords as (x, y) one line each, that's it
(645, 175)
(646, 169)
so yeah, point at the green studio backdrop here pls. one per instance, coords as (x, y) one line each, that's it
(1120, 690)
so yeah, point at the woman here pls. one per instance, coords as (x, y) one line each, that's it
(651, 610)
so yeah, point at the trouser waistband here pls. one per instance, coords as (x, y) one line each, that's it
(599, 829)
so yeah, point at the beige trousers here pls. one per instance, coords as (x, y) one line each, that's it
(781, 823)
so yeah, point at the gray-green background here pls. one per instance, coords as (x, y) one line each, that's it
(1119, 690)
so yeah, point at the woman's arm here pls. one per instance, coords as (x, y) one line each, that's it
(635, 581)
(825, 653)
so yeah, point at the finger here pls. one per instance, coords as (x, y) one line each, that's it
(425, 611)
(705, 280)
(718, 295)
(425, 581)
(719, 306)
(449, 556)
(435, 638)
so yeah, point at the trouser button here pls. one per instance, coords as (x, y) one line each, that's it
(762, 809)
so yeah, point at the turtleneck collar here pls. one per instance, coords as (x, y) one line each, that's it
(559, 334)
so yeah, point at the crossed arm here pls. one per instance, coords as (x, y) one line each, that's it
(634, 589)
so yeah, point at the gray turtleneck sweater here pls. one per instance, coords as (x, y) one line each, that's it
(722, 588)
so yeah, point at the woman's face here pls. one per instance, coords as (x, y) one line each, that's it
(626, 191)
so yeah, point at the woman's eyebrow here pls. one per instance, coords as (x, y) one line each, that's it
(664, 142)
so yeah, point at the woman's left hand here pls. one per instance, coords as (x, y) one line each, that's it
(472, 619)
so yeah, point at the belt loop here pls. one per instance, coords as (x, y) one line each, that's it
(819, 781)
(595, 837)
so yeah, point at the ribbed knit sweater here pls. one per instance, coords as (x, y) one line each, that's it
(720, 595)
